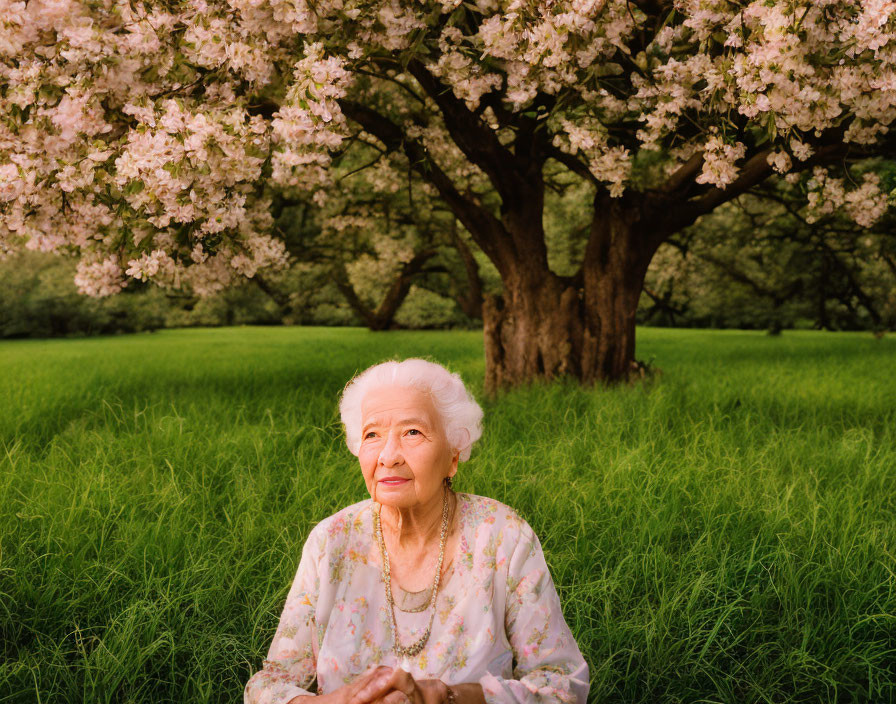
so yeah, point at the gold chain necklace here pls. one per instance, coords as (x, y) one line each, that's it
(415, 647)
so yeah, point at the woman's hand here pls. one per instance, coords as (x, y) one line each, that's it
(346, 693)
(395, 686)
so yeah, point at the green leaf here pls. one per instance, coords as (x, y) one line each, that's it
(134, 187)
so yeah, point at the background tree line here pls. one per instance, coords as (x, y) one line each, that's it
(756, 263)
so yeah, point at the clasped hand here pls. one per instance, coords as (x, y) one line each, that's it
(387, 685)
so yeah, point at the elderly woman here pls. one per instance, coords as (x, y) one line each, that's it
(420, 593)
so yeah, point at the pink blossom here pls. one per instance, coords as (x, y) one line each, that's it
(99, 278)
(718, 162)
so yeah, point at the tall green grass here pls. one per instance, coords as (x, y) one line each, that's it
(722, 533)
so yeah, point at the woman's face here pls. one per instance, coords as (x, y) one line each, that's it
(404, 453)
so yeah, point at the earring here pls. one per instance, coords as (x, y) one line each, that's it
(447, 482)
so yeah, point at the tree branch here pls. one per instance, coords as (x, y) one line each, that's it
(684, 174)
(351, 296)
(754, 171)
(385, 77)
(742, 277)
(487, 230)
(889, 262)
(382, 318)
(854, 285)
(574, 165)
(478, 141)
(275, 294)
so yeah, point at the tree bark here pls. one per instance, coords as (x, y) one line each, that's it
(533, 331)
(624, 238)
(545, 325)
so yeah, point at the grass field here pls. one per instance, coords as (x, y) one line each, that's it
(724, 533)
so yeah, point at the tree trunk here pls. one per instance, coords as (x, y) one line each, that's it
(383, 317)
(623, 241)
(545, 326)
(533, 331)
(822, 322)
(469, 298)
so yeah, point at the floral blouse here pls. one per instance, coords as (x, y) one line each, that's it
(498, 619)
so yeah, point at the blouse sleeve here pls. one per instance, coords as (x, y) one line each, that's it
(548, 665)
(291, 663)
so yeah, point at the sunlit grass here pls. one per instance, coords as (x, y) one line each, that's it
(722, 533)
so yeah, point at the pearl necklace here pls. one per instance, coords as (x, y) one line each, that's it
(415, 647)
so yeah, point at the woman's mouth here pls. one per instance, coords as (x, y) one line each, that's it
(394, 481)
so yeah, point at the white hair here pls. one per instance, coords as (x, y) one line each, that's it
(461, 416)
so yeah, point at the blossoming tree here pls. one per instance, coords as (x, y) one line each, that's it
(147, 136)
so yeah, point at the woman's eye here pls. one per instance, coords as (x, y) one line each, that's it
(371, 434)
(413, 431)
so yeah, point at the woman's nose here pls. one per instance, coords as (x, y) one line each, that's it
(390, 455)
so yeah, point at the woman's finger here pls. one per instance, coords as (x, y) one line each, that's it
(403, 681)
(396, 697)
(369, 675)
(387, 688)
(373, 686)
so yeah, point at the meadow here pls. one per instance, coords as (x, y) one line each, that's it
(721, 533)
